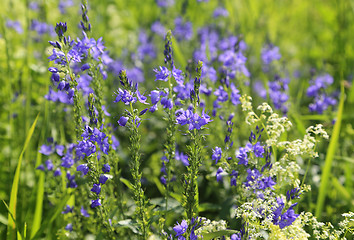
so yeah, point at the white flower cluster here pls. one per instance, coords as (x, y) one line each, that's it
(305, 147)
(209, 226)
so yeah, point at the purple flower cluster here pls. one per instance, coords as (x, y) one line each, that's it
(217, 153)
(42, 28)
(91, 137)
(146, 50)
(181, 228)
(16, 25)
(317, 90)
(192, 119)
(269, 54)
(257, 181)
(278, 93)
(183, 30)
(284, 219)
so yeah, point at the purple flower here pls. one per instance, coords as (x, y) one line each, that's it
(155, 97)
(103, 179)
(106, 168)
(57, 172)
(67, 209)
(221, 94)
(16, 25)
(285, 219)
(217, 153)
(180, 229)
(183, 30)
(125, 96)
(46, 149)
(235, 95)
(84, 212)
(236, 236)
(85, 67)
(141, 98)
(165, 3)
(258, 150)
(258, 87)
(69, 227)
(60, 150)
(122, 121)
(71, 179)
(95, 203)
(242, 156)
(220, 12)
(178, 75)
(234, 175)
(40, 167)
(218, 174)
(67, 161)
(83, 168)
(158, 28)
(269, 54)
(96, 188)
(166, 103)
(163, 74)
(180, 156)
(49, 165)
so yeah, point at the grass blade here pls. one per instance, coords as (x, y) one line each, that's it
(19, 236)
(53, 214)
(14, 190)
(330, 156)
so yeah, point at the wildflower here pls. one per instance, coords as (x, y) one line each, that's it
(40, 167)
(67, 209)
(16, 25)
(83, 168)
(69, 227)
(218, 174)
(163, 74)
(217, 153)
(122, 121)
(180, 156)
(180, 229)
(84, 212)
(57, 172)
(96, 188)
(221, 94)
(106, 168)
(103, 179)
(269, 54)
(95, 203)
(234, 175)
(125, 96)
(258, 150)
(49, 165)
(46, 149)
(183, 30)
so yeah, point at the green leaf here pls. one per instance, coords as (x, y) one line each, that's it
(128, 223)
(208, 207)
(212, 235)
(330, 156)
(14, 189)
(127, 183)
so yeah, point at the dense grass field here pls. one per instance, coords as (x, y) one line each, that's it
(176, 119)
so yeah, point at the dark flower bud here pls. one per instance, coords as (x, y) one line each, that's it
(143, 112)
(60, 29)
